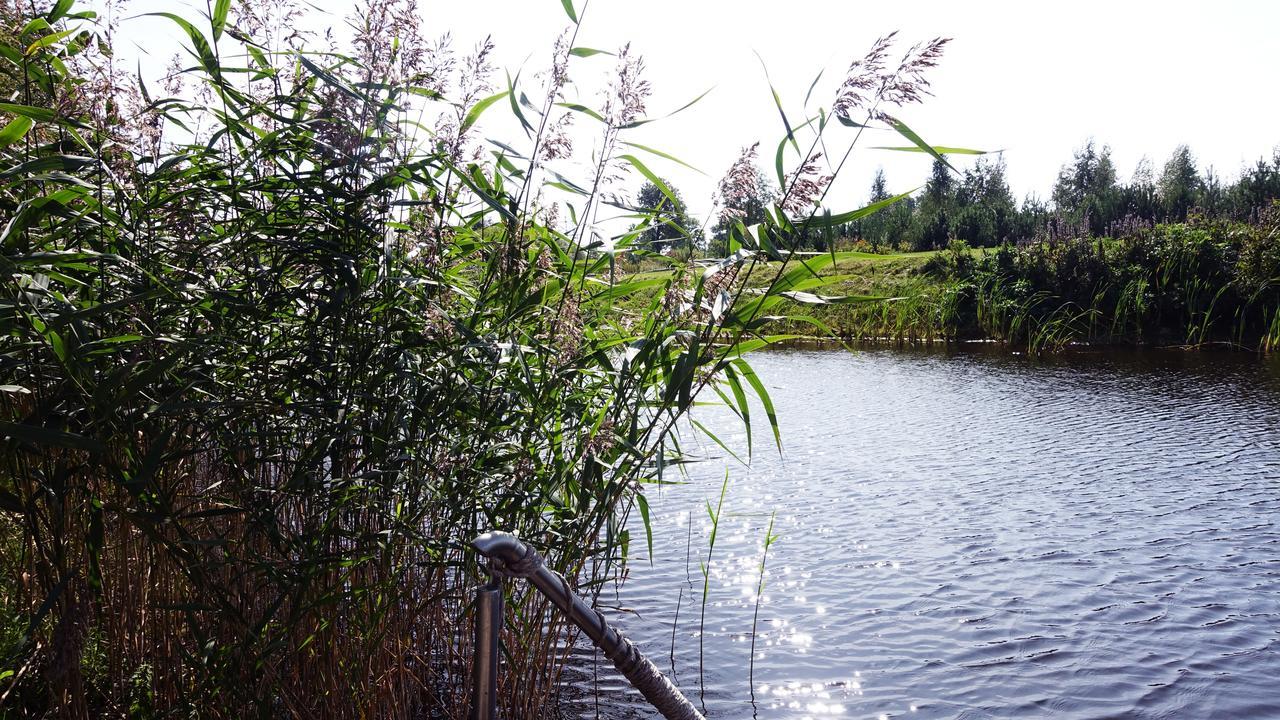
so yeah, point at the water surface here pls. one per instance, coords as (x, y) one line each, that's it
(975, 535)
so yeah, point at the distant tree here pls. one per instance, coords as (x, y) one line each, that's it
(1086, 189)
(897, 222)
(879, 186)
(1140, 198)
(1179, 185)
(977, 205)
(931, 224)
(976, 224)
(669, 223)
(1031, 217)
(984, 205)
(1090, 172)
(941, 186)
(874, 228)
(1257, 186)
(1213, 195)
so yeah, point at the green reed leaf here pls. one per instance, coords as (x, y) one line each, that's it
(661, 154)
(48, 40)
(219, 18)
(47, 437)
(911, 135)
(578, 108)
(515, 104)
(812, 85)
(200, 44)
(476, 110)
(682, 108)
(777, 101)
(848, 217)
(15, 130)
(653, 178)
(762, 393)
(568, 10)
(939, 149)
(643, 504)
(716, 439)
(59, 10)
(740, 396)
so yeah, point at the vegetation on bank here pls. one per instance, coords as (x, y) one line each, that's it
(1185, 284)
(274, 347)
(1188, 285)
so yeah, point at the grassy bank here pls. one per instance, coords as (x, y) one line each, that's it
(1187, 284)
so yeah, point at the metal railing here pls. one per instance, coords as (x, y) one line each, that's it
(511, 558)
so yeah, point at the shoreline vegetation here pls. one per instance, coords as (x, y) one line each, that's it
(283, 331)
(1180, 285)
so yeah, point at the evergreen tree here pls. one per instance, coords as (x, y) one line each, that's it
(1213, 195)
(669, 224)
(1257, 186)
(1086, 191)
(1179, 185)
(985, 208)
(879, 186)
(932, 220)
(1140, 199)
(941, 187)
(874, 228)
(1031, 218)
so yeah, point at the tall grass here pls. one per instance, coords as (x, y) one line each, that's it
(273, 349)
(1187, 285)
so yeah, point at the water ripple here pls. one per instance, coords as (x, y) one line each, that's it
(976, 536)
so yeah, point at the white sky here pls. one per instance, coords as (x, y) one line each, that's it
(1033, 78)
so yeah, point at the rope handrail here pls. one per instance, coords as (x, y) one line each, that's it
(509, 557)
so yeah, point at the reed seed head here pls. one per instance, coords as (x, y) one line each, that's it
(869, 83)
(629, 91)
(739, 185)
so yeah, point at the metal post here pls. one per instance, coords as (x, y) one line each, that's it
(484, 670)
(518, 559)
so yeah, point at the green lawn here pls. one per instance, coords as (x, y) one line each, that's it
(896, 275)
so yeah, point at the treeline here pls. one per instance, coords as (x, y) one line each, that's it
(1088, 200)
(977, 206)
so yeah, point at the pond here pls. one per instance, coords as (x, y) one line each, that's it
(970, 534)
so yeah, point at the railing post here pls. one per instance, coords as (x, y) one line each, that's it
(484, 669)
(512, 557)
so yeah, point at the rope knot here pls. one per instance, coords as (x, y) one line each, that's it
(524, 566)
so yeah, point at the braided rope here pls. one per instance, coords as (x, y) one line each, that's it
(626, 657)
(651, 683)
(526, 565)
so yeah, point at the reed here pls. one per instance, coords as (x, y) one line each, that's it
(769, 540)
(714, 515)
(273, 348)
(1188, 285)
